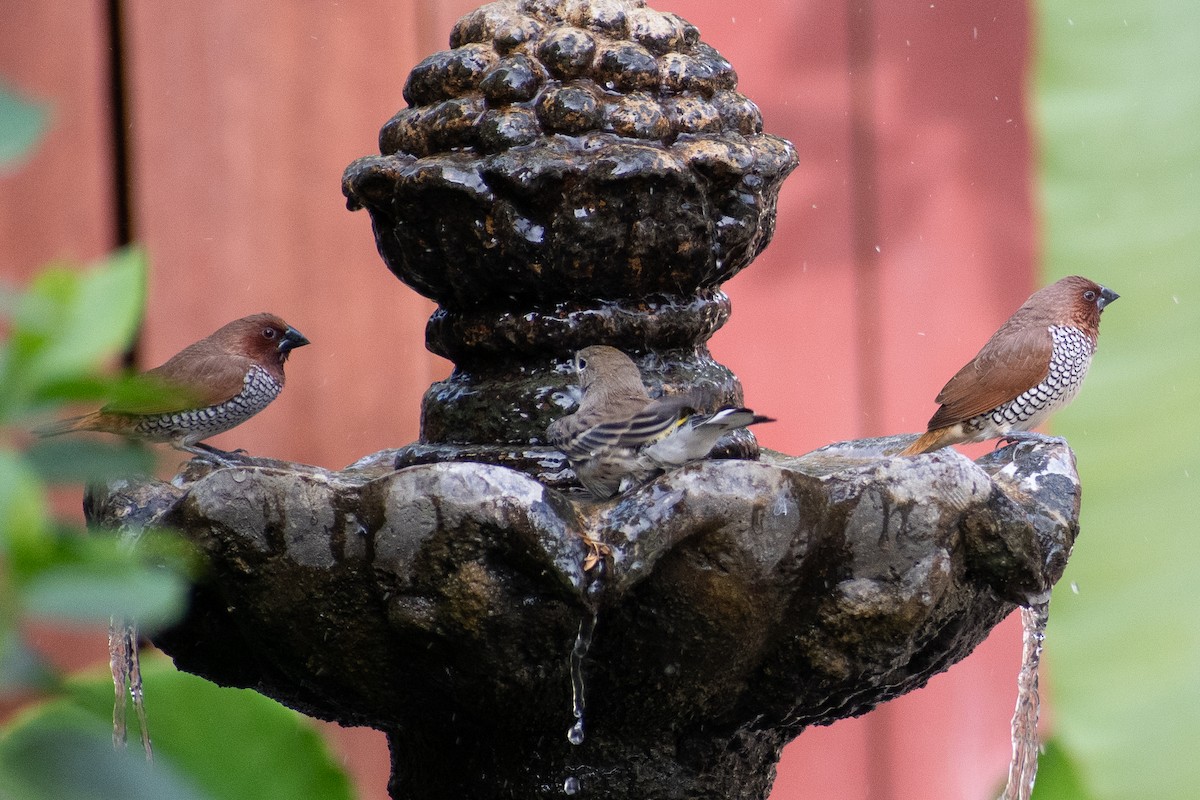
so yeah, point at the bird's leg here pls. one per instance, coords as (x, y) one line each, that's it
(1028, 437)
(1019, 439)
(241, 451)
(210, 453)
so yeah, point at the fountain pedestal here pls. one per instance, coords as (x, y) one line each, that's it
(743, 602)
(570, 173)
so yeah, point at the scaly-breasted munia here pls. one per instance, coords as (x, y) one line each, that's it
(620, 437)
(1031, 367)
(205, 389)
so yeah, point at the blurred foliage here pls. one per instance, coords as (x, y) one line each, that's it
(57, 337)
(1058, 777)
(61, 752)
(217, 743)
(60, 332)
(21, 126)
(1118, 105)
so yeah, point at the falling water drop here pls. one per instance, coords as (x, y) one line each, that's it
(583, 640)
(571, 785)
(1023, 769)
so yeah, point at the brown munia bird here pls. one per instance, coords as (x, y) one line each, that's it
(205, 389)
(1031, 367)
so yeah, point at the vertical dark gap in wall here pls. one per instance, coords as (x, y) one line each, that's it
(864, 188)
(120, 135)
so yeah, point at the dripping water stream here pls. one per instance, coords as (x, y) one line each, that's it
(118, 663)
(1022, 770)
(125, 665)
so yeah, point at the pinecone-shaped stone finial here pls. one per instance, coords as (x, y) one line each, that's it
(571, 172)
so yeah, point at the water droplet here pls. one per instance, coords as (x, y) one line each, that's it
(575, 735)
(239, 476)
(571, 785)
(1074, 587)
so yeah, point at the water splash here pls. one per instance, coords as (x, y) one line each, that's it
(125, 665)
(1022, 770)
(583, 641)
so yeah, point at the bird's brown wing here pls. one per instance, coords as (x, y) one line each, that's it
(1015, 359)
(197, 381)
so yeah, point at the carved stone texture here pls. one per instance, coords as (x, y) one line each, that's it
(741, 602)
(571, 172)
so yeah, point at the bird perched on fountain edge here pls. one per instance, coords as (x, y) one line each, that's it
(207, 388)
(1032, 366)
(620, 437)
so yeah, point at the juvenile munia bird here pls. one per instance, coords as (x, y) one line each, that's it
(1030, 368)
(620, 437)
(205, 389)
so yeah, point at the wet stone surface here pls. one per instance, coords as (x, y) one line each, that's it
(740, 602)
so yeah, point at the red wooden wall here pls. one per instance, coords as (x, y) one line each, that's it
(905, 236)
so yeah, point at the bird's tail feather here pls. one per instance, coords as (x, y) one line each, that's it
(728, 419)
(87, 422)
(930, 440)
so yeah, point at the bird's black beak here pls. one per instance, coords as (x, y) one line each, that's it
(292, 339)
(1106, 296)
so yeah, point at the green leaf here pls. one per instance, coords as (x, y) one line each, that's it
(234, 743)
(63, 328)
(92, 389)
(22, 668)
(93, 592)
(23, 520)
(1058, 777)
(22, 124)
(60, 752)
(1118, 107)
(78, 460)
(72, 321)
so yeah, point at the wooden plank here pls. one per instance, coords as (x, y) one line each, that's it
(243, 121)
(791, 337)
(822, 318)
(58, 204)
(958, 256)
(244, 118)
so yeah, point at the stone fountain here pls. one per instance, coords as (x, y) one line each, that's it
(574, 172)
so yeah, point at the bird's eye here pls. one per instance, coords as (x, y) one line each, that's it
(269, 333)
(1089, 295)
(581, 364)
